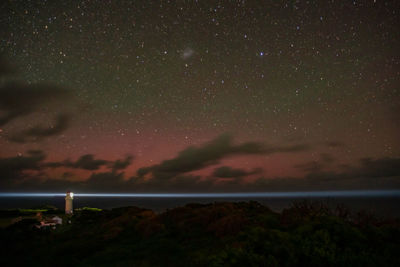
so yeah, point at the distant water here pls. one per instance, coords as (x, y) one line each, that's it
(381, 206)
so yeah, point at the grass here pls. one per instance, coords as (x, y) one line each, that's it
(32, 210)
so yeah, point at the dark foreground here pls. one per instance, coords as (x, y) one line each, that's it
(218, 234)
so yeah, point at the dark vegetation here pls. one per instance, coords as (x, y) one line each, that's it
(218, 234)
(48, 210)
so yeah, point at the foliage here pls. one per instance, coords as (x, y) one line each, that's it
(90, 209)
(217, 234)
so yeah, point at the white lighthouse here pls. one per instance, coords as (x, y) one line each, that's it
(68, 203)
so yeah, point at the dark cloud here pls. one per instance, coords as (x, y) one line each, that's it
(286, 149)
(56, 164)
(180, 183)
(316, 165)
(40, 183)
(312, 166)
(369, 174)
(29, 172)
(383, 167)
(17, 100)
(29, 162)
(85, 162)
(89, 162)
(39, 132)
(229, 172)
(104, 181)
(121, 164)
(196, 158)
(368, 168)
(326, 158)
(380, 173)
(334, 144)
(12, 169)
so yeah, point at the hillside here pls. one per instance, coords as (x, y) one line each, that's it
(217, 234)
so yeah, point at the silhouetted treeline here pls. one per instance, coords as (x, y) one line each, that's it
(218, 234)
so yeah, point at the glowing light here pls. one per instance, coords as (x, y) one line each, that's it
(301, 194)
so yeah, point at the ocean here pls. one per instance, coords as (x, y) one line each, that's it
(387, 207)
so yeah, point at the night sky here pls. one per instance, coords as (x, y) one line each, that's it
(185, 96)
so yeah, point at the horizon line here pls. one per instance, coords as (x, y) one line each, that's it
(282, 194)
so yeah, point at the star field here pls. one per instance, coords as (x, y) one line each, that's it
(150, 79)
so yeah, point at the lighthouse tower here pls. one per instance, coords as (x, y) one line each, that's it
(68, 203)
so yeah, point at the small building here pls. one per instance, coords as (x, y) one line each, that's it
(49, 223)
(56, 220)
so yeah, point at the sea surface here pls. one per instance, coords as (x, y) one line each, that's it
(388, 207)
